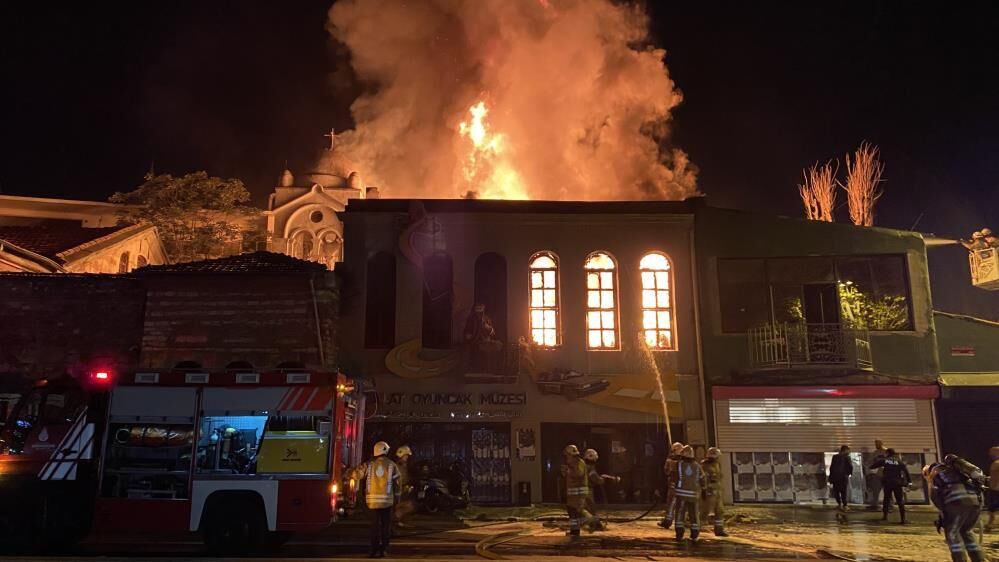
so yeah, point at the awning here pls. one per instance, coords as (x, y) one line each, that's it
(923, 392)
(969, 379)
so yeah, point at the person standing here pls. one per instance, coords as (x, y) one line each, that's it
(595, 479)
(577, 490)
(405, 505)
(993, 493)
(873, 476)
(381, 493)
(955, 492)
(840, 470)
(712, 501)
(688, 484)
(894, 480)
(669, 468)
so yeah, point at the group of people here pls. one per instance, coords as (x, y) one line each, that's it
(957, 488)
(693, 491)
(580, 474)
(981, 240)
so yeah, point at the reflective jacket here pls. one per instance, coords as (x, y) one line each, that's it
(689, 479)
(712, 477)
(670, 469)
(381, 477)
(952, 488)
(577, 485)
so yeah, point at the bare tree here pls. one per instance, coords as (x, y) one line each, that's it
(818, 192)
(863, 179)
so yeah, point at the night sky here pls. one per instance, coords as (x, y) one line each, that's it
(96, 93)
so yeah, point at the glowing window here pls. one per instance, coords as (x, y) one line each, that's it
(601, 302)
(544, 300)
(657, 303)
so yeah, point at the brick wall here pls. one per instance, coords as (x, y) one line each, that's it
(51, 323)
(265, 319)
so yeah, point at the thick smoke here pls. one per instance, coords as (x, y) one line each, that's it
(583, 104)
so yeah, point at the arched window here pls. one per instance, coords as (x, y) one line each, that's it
(123, 262)
(601, 301)
(141, 261)
(544, 300)
(438, 296)
(657, 301)
(379, 301)
(302, 245)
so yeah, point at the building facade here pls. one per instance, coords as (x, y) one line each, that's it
(592, 338)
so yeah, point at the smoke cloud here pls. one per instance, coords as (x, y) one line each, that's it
(578, 103)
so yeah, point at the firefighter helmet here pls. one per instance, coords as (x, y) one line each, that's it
(591, 455)
(713, 452)
(571, 450)
(676, 447)
(687, 452)
(403, 451)
(986, 232)
(381, 448)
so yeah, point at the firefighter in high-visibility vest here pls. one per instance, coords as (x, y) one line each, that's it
(577, 490)
(711, 495)
(688, 484)
(670, 469)
(956, 488)
(381, 493)
(594, 479)
(405, 505)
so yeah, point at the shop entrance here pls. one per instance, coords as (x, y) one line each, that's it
(634, 451)
(481, 451)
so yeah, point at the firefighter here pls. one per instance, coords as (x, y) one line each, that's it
(955, 490)
(711, 495)
(381, 493)
(670, 469)
(405, 505)
(894, 480)
(577, 490)
(688, 484)
(594, 479)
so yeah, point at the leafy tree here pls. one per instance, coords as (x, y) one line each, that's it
(198, 216)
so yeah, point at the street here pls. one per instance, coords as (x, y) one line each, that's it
(757, 533)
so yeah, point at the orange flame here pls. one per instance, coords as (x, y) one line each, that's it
(487, 168)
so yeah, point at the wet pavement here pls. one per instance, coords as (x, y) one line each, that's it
(777, 533)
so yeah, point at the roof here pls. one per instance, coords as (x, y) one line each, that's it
(51, 241)
(252, 262)
(519, 206)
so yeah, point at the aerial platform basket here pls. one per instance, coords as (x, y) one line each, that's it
(985, 268)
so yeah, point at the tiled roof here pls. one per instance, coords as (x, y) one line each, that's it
(52, 240)
(253, 262)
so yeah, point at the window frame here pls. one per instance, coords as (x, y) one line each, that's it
(671, 305)
(558, 298)
(615, 292)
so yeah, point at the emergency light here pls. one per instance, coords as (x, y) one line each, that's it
(101, 378)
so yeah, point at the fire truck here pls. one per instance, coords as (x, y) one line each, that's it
(244, 458)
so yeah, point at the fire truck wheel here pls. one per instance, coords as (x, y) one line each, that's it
(234, 526)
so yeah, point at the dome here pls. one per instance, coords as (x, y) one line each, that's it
(286, 179)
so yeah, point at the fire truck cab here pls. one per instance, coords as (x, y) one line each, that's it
(244, 458)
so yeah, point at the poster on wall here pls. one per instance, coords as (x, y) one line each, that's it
(526, 450)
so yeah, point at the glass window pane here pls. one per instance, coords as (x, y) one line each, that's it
(537, 318)
(593, 320)
(609, 339)
(538, 336)
(607, 299)
(654, 261)
(606, 280)
(550, 340)
(649, 319)
(662, 299)
(666, 339)
(664, 320)
(543, 262)
(549, 297)
(662, 280)
(537, 298)
(593, 299)
(607, 320)
(537, 279)
(648, 299)
(594, 338)
(650, 338)
(550, 319)
(592, 281)
(648, 280)
(549, 279)
(599, 261)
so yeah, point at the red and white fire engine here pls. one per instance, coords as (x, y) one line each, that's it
(245, 458)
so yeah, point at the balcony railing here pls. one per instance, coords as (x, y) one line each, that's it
(787, 345)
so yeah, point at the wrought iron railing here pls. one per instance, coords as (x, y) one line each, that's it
(784, 345)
